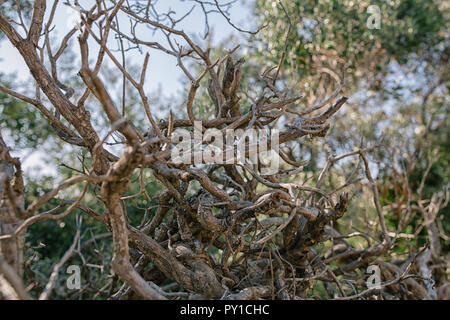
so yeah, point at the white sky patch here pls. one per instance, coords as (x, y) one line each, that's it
(73, 18)
(34, 163)
(11, 62)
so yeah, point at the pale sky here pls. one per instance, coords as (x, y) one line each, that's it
(163, 69)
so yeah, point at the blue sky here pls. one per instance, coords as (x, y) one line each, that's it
(163, 71)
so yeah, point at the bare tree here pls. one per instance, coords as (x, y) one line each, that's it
(264, 228)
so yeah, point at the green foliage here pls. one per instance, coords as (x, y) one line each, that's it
(378, 65)
(323, 28)
(27, 128)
